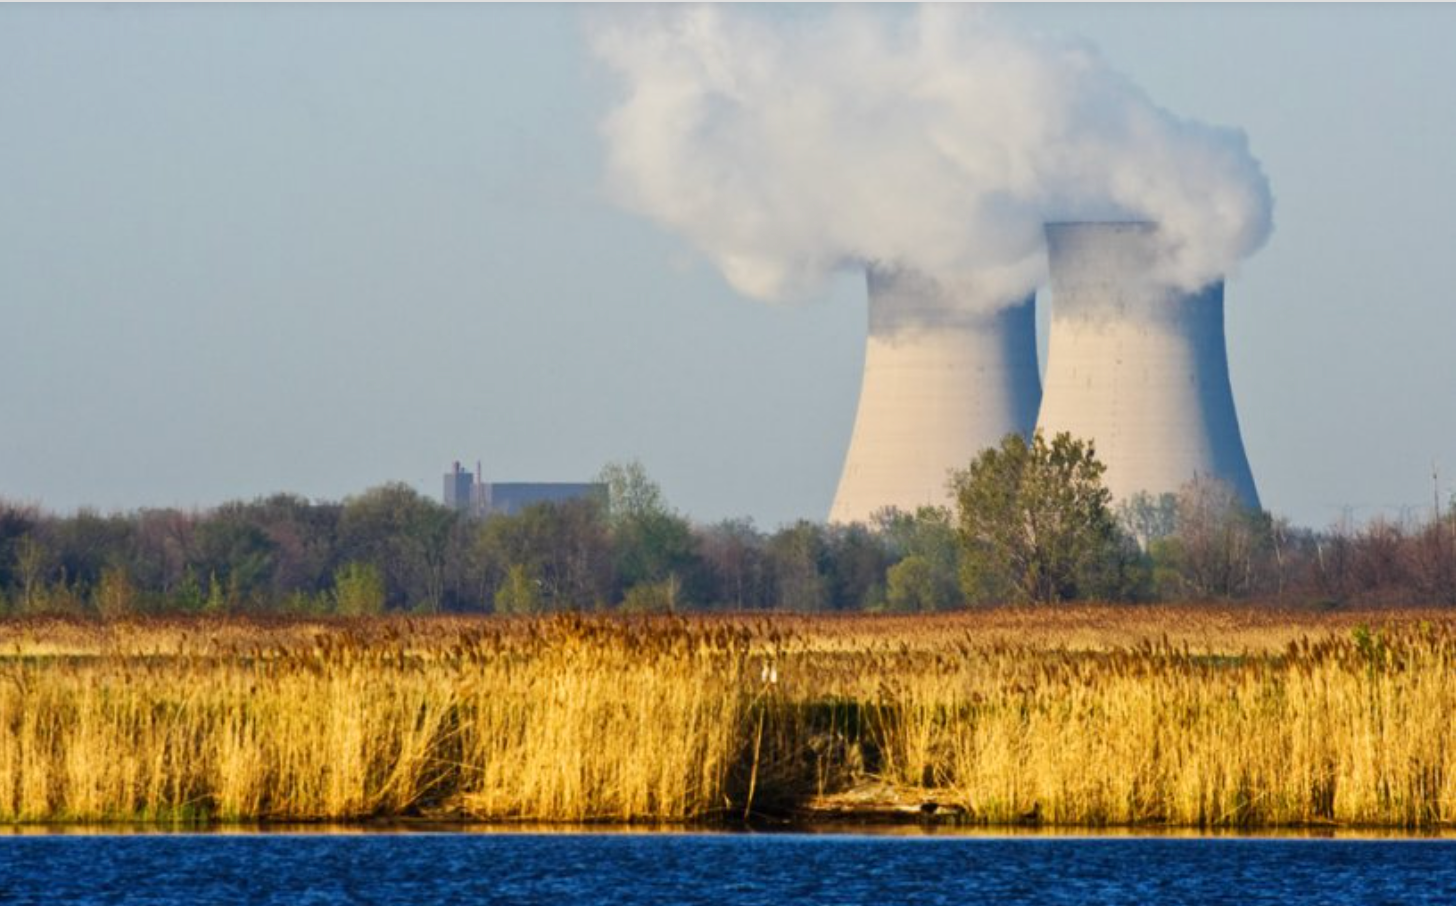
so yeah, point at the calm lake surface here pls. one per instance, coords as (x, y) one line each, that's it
(778, 868)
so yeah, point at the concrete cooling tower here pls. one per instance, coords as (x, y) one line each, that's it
(940, 384)
(1137, 367)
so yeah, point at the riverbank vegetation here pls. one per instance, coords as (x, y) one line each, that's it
(1238, 716)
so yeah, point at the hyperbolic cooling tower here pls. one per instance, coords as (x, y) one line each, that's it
(941, 383)
(1137, 367)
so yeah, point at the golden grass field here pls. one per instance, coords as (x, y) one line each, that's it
(1086, 715)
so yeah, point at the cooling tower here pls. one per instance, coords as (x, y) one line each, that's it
(941, 383)
(1137, 367)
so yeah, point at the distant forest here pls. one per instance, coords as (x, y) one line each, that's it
(1012, 537)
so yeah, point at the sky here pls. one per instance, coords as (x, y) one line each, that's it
(249, 249)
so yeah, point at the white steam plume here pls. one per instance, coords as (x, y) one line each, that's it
(939, 141)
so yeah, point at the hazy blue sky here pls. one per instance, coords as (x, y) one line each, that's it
(249, 249)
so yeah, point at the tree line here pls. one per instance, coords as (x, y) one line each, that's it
(1031, 522)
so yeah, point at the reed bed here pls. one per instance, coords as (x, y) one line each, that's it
(1201, 717)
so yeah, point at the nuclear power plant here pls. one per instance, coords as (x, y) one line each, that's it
(1135, 366)
(471, 495)
(942, 381)
(1138, 367)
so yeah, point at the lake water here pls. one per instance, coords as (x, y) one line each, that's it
(682, 868)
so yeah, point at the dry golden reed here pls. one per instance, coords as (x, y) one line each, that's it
(1088, 716)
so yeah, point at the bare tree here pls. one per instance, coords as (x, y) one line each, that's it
(1220, 544)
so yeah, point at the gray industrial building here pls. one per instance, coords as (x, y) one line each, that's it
(470, 494)
(459, 488)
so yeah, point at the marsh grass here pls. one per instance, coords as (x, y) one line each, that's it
(1089, 716)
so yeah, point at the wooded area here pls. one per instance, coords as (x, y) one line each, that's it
(392, 549)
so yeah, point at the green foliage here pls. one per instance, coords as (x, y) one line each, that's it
(34, 563)
(798, 555)
(651, 543)
(736, 564)
(854, 562)
(1162, 560)
(910, 586)
(115, 596)
(653, 597)
(284, 553)
(564, 547)
(927, 575)
(87, 543)
(359, 590)
(216, 601)
(1370, 645)
(59, 598)
(233, 548)
(630, 492)
(1035, 523)
(520, 593)
(650, 547)
(306, 604)
(17, 523)
(189, 595)
(403, 533)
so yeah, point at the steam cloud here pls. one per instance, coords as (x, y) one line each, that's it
(941, 141)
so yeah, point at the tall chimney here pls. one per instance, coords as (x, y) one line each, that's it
(1137, 367)
(941, 382)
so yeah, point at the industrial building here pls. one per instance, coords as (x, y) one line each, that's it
(1133, 364)
(469, 494)
(459, 488)
(1137, 366)
(942, 381)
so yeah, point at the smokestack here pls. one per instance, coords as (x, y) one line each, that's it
(1138, 366)
(941, 382)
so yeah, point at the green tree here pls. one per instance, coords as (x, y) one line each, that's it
(115, 596)
(630, 492)
(520, 593)
(188, 595)
(359, 590)
(855, 559)
(1035, 522)
(563, 546)
(650, 543)
(653, 597)
(17, 522)
(86, 543)
(910, 586)
(217, 601)
(231, 547)
(927, 574)
(34, 563)
(797, 558)
(403, 533)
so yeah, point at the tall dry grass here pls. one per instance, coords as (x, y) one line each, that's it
(1189, 716)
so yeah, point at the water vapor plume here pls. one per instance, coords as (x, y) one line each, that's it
(787, 146)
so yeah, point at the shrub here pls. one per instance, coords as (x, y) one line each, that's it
(359, 590)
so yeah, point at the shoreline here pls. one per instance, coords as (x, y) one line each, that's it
(841, 826)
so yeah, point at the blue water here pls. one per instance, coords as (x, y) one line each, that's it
(718, 869)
